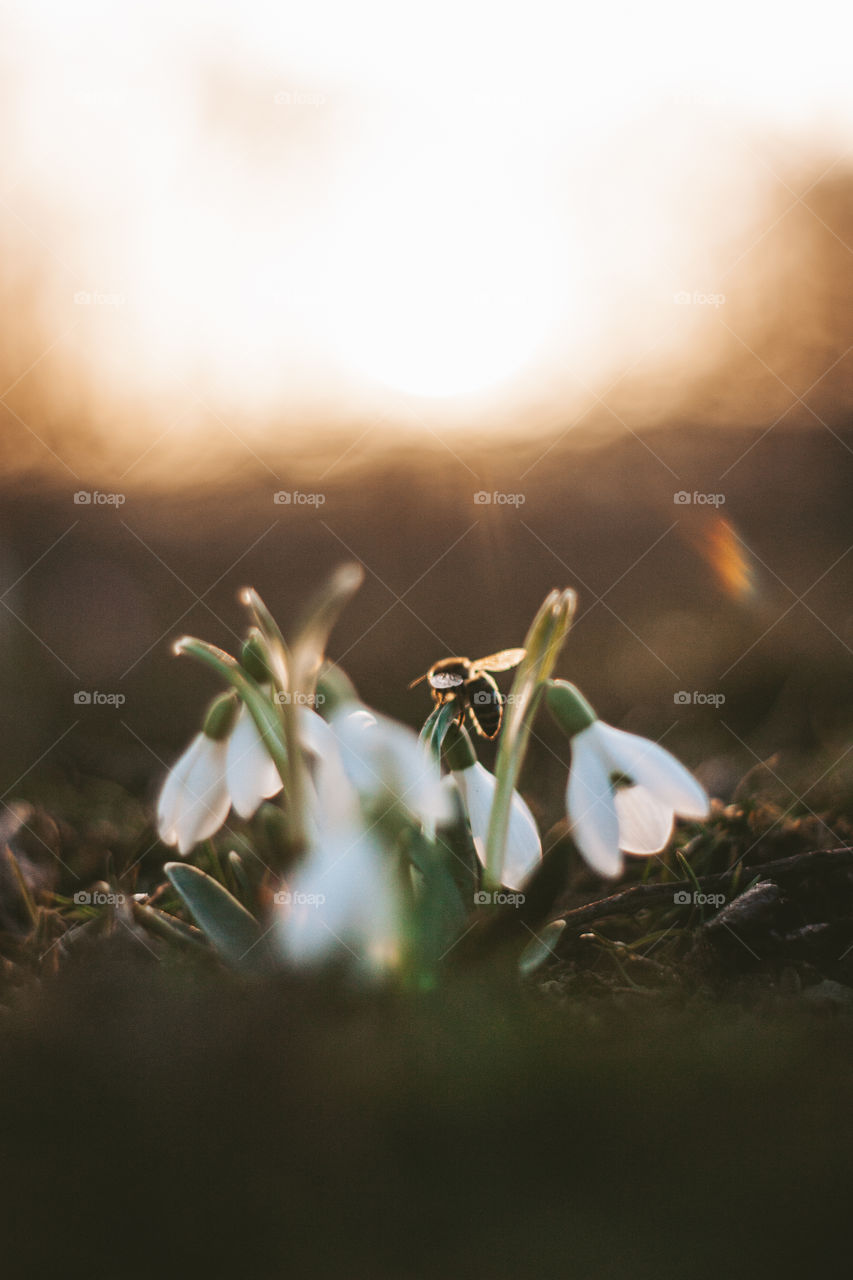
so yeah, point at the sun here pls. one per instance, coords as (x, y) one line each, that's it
(441, 277)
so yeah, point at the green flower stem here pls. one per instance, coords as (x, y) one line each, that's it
(280, 662)
(544, 641)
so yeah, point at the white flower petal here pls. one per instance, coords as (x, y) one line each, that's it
(650, 766)
(477, 789)
(343, 901)
(250, 772)
(205, 801)
(171, 794)
(591, 806)
(333, 801)
(315, 734)
(523, 848)
(645, 823)
(385, 761)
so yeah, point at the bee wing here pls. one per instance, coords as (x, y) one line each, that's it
(445, 680)
(505, 660)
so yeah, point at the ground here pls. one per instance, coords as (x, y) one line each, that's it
(669, 1093)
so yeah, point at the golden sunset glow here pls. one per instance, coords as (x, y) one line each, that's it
(234, 213)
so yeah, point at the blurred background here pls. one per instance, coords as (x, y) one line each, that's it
(490, 308)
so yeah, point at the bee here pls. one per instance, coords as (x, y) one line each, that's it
(471, 685)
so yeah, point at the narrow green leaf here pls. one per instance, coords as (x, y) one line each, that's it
(439, 913)
(540, 949)
(323, 611)
(229, 927)
(167, 926)
(460, 855)
(436, 726)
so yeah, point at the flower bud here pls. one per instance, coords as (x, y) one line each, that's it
(221, 716)
(569, 707)
(253, 658)
(459, 753)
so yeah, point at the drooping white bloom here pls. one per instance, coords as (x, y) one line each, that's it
(333, 801)
(249, 770)
(343, 901)
(387, 765)
(235, 768)
(523, 847)
(624, 793)
(195, 799)
(345, 898)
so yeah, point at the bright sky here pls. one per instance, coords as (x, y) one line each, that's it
(293, 204)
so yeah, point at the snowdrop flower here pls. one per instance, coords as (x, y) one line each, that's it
(476, 786)
(343, 901)
(249, 772)
(345, 898)
(333, 800)
(623, 792)
(389, 767)
(195, 799)
(228, 764)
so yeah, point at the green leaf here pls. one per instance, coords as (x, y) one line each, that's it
(459, 854)
(542, 645)
(167, 926)
(439, 913)
(323, 611)
(229, 927)
(540, 949)
(436, 726)
(277, 652)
